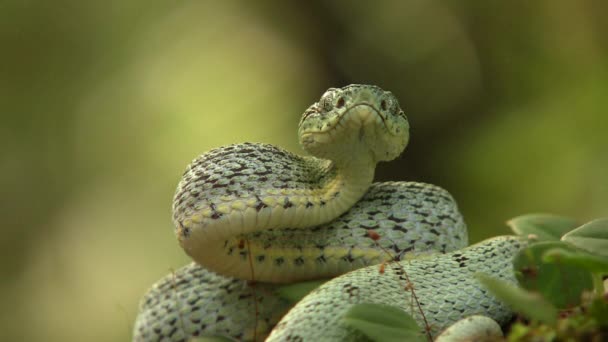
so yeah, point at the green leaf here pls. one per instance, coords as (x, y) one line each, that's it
(598, 309)
(529, 304)
(381, 322)
(546, 227)
(591, 262)
(560, 283)
(592, 237)
(295, 292)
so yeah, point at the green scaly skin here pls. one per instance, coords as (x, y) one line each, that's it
(413, 218)
(444, 284)
(255, 211)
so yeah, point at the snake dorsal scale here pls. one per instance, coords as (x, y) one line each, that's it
(193, 301)
(445, 285)
(251, 186)
(411, 218)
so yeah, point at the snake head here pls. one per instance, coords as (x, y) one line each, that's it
(354, 118)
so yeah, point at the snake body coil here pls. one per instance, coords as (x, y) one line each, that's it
(239, 189)
(257, 212)
(445, 285)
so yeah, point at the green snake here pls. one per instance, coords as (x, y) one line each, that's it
(255, 212)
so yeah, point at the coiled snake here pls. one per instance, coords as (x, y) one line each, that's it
(257, 212)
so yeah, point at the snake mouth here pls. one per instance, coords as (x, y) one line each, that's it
(370, 106)
(325, 134)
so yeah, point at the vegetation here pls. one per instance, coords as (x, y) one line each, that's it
(560, 297)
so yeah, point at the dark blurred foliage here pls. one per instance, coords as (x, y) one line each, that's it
(104, 103)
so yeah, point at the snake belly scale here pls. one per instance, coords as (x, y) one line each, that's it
(308, 217)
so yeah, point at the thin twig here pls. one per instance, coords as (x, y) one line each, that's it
(255, 298)
(409, 285)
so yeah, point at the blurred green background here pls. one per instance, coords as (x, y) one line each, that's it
(104, 103)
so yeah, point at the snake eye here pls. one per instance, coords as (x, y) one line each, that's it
(383, 105)
(340, 102)
(325, 104)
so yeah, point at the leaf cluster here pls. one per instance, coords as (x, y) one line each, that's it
(561, 295)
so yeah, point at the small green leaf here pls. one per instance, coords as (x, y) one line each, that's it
(598, 309)
(591, 262)
(297, 291)
(560, 283)
(592, 237)
(381, 322)
(546, 227)
(529, 304)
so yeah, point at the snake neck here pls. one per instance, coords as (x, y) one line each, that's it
(346, 178)
(350, 171)
(327, 189)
